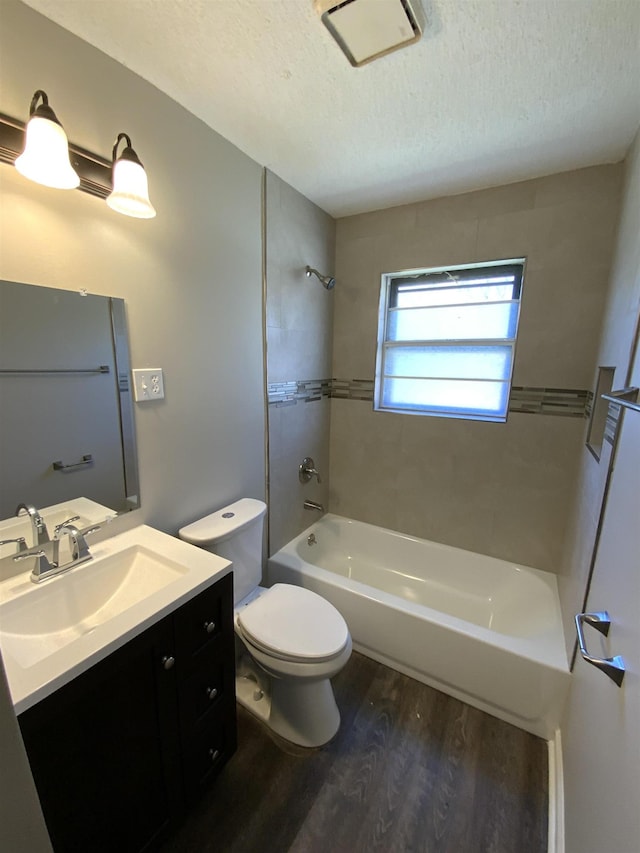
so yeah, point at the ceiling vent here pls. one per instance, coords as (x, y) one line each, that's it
(368, 29)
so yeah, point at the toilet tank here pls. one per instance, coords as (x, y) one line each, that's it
(235, 533)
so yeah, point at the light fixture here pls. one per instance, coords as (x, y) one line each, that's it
(48, 158)
(130, 194)
(45, 157)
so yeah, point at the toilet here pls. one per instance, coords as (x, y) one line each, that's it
(289, 641)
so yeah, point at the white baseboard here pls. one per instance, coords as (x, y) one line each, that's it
(556, 795)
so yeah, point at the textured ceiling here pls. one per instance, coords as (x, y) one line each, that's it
(496, 91)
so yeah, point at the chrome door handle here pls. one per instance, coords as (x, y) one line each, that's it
(613, 667)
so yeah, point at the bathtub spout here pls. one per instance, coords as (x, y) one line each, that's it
(313, 505)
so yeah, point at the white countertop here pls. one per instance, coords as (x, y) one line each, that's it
(30, 681)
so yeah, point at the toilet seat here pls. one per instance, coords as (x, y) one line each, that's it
(294, 624)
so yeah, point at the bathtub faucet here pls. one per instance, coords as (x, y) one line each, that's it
(313, 505)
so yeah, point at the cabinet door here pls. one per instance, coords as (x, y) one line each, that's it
(104, 750)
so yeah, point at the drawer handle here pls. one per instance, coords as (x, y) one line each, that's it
(212, 692)
(210, 627)
(168, 661)
(214, 754)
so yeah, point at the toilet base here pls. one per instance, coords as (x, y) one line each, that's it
(252, 697)
(302, 713)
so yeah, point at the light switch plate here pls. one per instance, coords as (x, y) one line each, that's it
(148, 384)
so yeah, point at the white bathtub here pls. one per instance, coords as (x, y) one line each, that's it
(481, 629)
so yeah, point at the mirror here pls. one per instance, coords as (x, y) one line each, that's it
(66, 414)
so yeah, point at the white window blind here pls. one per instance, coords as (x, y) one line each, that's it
(446, 340)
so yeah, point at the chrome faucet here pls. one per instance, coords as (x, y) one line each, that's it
(47, 559)
(38, 527)
(307, 470)
(313, 505)
(79, 547)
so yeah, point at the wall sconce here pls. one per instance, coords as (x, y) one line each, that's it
(45, 158)
(122, 181)
(130, 194)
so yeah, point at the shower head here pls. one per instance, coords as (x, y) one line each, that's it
(327, 281)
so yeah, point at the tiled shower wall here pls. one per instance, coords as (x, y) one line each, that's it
(299, 317)
(498, 489)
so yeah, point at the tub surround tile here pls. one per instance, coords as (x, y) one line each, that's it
(434, 478)
(550, 347)
(501, 489)
(590, 185)
(443, 243)
(563, 225)
(299, 339)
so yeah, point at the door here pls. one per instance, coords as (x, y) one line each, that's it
(601, 735)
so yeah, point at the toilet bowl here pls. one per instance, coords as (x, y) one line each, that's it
(290, 641)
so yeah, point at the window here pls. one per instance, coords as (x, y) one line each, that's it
(446, 340)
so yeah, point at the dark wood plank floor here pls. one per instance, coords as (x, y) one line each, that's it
(410, 770)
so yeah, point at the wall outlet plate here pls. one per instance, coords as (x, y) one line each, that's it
(148, 384)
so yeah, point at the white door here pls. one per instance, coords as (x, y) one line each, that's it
(601, 736)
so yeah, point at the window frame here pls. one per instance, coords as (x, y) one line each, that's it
(390, 283)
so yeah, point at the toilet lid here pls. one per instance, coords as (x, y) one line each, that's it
(294, 623)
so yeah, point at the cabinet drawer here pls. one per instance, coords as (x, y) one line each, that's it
(209, 750)
(202, 692)
(201, 621)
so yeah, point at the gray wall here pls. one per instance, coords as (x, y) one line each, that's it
(619, 331)
(299, 315)
(498, 489)
(191, 278)
(620, 318)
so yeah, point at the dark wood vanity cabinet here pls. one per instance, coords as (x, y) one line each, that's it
(119, 753)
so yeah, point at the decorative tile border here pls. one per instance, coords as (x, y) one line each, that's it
(612, 422)
(588, 409)
(352, 389)
(301, 391)
(566, 402)
(563, 402)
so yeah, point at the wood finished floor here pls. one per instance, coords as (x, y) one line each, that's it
(411, 771)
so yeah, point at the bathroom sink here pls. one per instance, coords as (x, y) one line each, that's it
(53, 631)
(56, 613)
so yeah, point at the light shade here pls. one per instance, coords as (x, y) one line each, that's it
(130, 194)
(45, 158)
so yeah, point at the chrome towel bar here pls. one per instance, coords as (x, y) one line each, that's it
(625, 397)
(103, 368)
(613, 667)
(87, 459)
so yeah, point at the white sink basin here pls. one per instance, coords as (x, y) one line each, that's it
(52, 631)
(52, 615)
